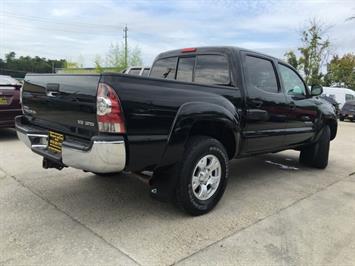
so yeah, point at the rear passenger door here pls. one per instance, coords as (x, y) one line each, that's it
(266, 105)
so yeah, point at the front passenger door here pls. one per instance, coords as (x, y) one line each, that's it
(303, 108)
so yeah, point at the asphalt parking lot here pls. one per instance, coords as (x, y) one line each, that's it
(274, 211)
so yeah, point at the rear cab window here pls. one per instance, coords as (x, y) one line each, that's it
(185, 69)
(210, 69)
(164, 68)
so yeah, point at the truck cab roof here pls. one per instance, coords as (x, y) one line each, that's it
(215, 50)
(208, 49)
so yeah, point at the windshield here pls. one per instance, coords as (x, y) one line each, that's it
(7, 80)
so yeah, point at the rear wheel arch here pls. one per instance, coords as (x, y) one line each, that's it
(189, 119)
(218, 130)
(186, 126)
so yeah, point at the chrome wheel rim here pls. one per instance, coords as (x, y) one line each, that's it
(206, 177)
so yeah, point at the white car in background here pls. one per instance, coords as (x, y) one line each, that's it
(137, 70)
(341, 95)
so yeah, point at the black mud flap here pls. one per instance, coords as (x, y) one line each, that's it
(163, 183)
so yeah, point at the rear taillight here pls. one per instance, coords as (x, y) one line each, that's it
(109, 111)
(21, 92)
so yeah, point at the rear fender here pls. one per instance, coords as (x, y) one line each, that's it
(188, 115)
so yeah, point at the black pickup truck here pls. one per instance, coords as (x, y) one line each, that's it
(198, 109)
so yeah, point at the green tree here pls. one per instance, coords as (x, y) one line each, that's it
(71, 64)
(10, 57)
(98, 64)
(19, 66)
(341, 71)
(314, 52)
(291, 58)
(116, 57)
(135, 57)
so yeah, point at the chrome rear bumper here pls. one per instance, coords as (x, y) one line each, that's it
(102, 155)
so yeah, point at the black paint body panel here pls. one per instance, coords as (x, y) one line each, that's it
(159, 114)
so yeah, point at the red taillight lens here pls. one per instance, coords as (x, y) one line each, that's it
(109, 112)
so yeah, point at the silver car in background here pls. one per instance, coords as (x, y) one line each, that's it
(137, 70)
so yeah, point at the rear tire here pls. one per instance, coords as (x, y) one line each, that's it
(317, 154)
(203, 175)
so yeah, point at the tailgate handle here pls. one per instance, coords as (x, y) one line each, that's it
(52, 89)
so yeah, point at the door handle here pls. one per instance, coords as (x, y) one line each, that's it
(306, 118)
(52, 93)
(257, 103)
(52, 89)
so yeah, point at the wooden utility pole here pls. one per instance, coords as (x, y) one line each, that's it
(125, 30)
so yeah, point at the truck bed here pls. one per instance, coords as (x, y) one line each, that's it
(67, 104)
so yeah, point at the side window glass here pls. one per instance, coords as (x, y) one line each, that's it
(349, 97)
(261, 74)
(185, 68)
(212, 69)
(292, 82)
(164, 68)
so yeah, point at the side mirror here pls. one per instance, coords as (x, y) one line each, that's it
(316, 90)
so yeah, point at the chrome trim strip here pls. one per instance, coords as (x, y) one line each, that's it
(41, 146)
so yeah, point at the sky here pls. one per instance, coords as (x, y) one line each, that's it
(81, 30)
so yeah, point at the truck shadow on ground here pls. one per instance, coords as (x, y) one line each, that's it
(7, 134)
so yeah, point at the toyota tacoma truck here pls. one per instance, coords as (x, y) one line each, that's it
(198, 109)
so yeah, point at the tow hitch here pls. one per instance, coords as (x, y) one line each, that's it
(46, 164)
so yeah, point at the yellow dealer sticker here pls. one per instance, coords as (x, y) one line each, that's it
(3, 101)
(55, 141)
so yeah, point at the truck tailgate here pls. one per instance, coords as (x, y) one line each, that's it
(63, 103)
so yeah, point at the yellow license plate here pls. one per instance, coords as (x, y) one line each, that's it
(55, 141)
(3, 101)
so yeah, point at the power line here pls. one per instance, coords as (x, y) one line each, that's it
(99, 31)
(50, 20)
